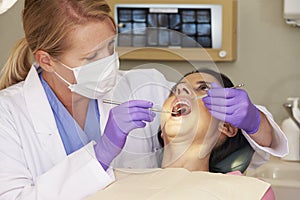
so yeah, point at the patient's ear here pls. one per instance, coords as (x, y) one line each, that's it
(227, 129)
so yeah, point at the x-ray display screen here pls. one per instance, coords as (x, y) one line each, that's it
(164, 25)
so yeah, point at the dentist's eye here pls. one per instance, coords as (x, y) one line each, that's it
(92, 57)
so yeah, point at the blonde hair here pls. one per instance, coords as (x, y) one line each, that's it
(46, 25)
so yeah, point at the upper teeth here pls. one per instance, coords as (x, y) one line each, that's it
(182, 102)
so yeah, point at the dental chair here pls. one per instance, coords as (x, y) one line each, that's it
(236, 161)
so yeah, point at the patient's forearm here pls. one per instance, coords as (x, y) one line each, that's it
(263, 136)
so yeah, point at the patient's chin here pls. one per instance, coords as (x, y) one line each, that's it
(180, 131)
(173, 130)
(177, 125)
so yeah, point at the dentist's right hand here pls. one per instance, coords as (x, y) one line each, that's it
(121, 120)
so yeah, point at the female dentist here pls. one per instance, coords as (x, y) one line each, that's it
(47, 121)
(52, 146)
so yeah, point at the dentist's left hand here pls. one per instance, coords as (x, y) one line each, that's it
(121, 120)
(233, 106)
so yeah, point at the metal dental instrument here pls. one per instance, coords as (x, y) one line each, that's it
(107, 101)
(239, 85)
(236, 86)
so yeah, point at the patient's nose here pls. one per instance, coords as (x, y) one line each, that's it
(183, 89)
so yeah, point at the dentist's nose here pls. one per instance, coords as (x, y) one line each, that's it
(183, 89)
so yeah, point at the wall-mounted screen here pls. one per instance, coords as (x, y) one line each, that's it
(165, 30)
(169, 25)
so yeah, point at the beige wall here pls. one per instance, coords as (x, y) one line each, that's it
(268, 52)
(10, 30)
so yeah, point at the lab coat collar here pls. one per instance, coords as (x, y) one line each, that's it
(37, 103)
(42, 117)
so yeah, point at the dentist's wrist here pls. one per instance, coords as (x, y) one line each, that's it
(254, 123)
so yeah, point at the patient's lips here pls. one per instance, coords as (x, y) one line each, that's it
(181, 108)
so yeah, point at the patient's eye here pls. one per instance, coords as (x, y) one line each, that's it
(203, 86)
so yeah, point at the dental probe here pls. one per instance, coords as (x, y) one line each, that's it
(236, 86)
(152, 109)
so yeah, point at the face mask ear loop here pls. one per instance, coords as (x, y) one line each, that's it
(65, 66)
(64, 80)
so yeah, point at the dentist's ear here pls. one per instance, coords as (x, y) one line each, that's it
(44, 60)
(227, 129)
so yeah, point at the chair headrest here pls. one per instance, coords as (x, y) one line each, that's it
(237, 161)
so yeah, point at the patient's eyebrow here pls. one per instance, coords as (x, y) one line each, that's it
(197, 83)
(201, 82)
(204, 83)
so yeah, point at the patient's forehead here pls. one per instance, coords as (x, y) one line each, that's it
(195, 77)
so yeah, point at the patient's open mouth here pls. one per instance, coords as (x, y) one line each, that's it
(181, 108)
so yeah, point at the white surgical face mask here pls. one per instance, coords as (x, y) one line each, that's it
(95, 79)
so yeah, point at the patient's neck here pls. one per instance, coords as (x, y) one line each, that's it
(188, 158)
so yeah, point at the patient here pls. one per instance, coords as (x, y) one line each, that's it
(191, 137)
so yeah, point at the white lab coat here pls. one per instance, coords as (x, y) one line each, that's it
(279, 146)
(34, 164)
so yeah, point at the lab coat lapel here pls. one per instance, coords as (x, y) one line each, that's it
(42, 116)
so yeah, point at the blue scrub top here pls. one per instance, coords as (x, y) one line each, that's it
(73, 137)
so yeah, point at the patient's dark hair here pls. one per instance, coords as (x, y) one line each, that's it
(231, 144)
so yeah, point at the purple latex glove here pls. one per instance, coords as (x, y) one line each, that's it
(121, 120)
(232, 106)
